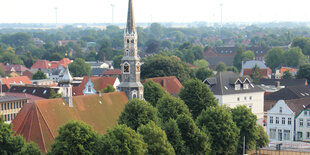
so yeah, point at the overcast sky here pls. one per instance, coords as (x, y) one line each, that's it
(100, 11)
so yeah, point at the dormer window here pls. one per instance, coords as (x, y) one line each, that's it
(245, 86)
(237, 86)
(89, 88)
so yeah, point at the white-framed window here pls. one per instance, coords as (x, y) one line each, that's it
(283, 120)
(277, 120)
(237, 86)
(89, 88)
(308, 122)
(289, 121)
(280, 110)
(245, 86)
(301, 122)
(245, 98)
(271, 120)
(238, 98)
(250, 97)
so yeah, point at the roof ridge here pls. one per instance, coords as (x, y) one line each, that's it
(40, 128)
(45, 123)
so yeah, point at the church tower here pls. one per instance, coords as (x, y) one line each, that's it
(130, 82)
(65, 84)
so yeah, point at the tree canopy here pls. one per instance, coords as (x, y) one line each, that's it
(274, 57)
(79, 68)
(153, 92)
(203, 73)
(220, 67)
(256, 74)
(109, 89)
(304, 72)
(39, 75)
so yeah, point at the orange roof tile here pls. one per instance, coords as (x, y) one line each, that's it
(65, 61)
(171, 84)
(41, 64)
(16, 80)
(39, 122)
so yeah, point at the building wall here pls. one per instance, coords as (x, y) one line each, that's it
(276, 129)
(8, 110)
(254, 101)
(304, 128)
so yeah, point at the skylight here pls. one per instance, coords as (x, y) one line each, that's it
(302, 94)
(44, 92)
(225, 87)
(34, 91)
(24, 90)
(307, 94)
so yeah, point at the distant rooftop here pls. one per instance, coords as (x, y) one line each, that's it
(11, 98)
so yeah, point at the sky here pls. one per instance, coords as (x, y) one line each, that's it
(147, 11)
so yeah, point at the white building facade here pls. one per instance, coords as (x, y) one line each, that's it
(303, 125)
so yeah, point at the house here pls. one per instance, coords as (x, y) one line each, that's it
(36, 90)
(99, 64)
(280, 70)
(303, 124)
(95, 84)
(38, 42)
(273, 85)
(13, 74)
(246, 68)
(39, 122)
(289, 93)
(171, 84)
(7, 81)
(41, 64)
(19, 69)
(259, 52)
(45, 64)
(232, 90)
(44, 82)
(29, 73)
(10, 106)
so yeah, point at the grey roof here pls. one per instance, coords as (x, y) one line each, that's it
(258, 50)
(252, 63)
(130, 19)
(289, 93)
(223, 84)
(214, 60)
(11, 98)
(284, 82)
(36, 90)
(97, 71)
(225, 50)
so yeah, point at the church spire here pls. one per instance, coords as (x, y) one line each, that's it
(130, 19)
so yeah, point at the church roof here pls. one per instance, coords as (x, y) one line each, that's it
(130, 19)
(39, 122)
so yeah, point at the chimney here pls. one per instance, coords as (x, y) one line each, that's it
(278, 84)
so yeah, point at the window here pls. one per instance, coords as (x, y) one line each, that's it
(246, 86)
(271, 120)
(132, 41)
(11, 105)
(287, 134)
(305, 113)
(277, 120)
(308, 135)
(280, 109)
(272, 134)
(238, 98)
(89, 88)
(308, 122)
(250, 97)
(127, 40)
(44, 92)
(289, 121)
(34, 91)
(245, 98)
(301, 122)
(283, 120)
(126, 68)
(237, 86)
(5, 119)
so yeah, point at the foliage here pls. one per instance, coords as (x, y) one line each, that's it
(122, 140)
(153, 92)
(30, 149)
(201, 63)
(170, 107)
(238, 58)
(287, 75)
(262, 138)
(196, 142)
(217, 121)
(117, 61)
(274, 57)
(303, 43)
(203, 73)
(248, 55)
(53, 94)
(294, 57)
(56, 56)
(75, 138)
(174, 136)
(136, 113)
(79, 68)
(10, 58)
(256, 74)
(156, 139)
(160, 66)
(304, 72)
(2, 72)
(246, 122)
(197, 96)
(39, 75)
(220, 67)
(109, 89)
(233, 69)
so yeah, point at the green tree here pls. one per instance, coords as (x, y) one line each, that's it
(109, 89)
(220, 67)
(156, 139)
(79, 68)
(196, 142)
(39, 75)
(248, 55)
(246, 122)
(75, 138)
(303, 43)
(170, 107)
(56, 56)
(263, 139)
(201, 63)
(2, 73)
(174, 136)
(238, 57)
(53, 94)
(160, 66)
(197, 96)
(123, 140)
(153, 92)
(203, 73)
(30, 149)
(256, 74)
(136, 113)
(287, 75)
(294, 57)
(218, 122)
(117, 61)
(11, 58)
(304, 72)
(274, 58)
(233, 69)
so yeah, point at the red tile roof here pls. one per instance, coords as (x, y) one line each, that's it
(28, 74)
(171, 84)
(65, 61)
(40, 121)
(99, 84)
(112, 72)
(16, 80)
(41, 64)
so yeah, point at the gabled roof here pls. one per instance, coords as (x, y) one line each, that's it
(171, 84)
(15, 80)
(284, 82)
(37, 90)
(252, 63)
(112, 72)
(99, 84)
(296, 105)
(39, 122)
(289, 93)
(41, 64)
(214, 60)
(221, 84)
(16, 68)
(97, 71)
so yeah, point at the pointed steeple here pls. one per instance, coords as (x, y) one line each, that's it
(131, 28)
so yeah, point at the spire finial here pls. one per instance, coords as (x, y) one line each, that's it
(131, 28)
